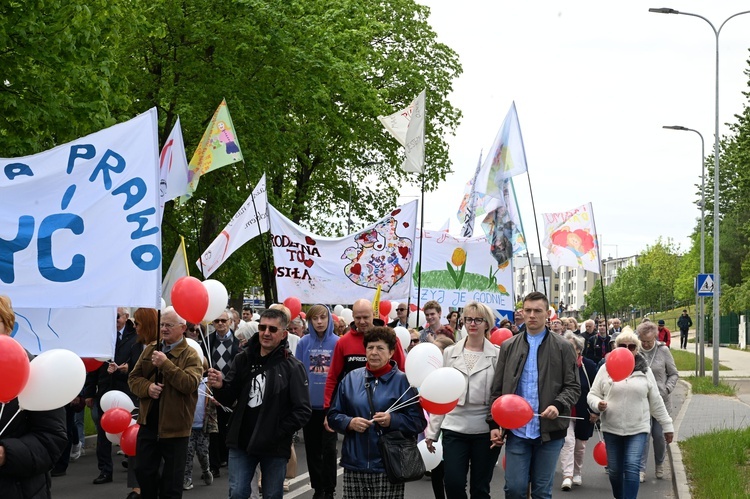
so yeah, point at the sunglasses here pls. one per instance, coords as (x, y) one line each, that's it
(629, 346)
(221, 320)
(400, 309)
(414, 342)
(271, 329)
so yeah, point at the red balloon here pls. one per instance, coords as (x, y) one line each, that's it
(129, 438)
(91, 364)
(385, 307)
(501, 335)
(620, 363)
(412, 307)
(294, 306)
(14, 368)
(335, 319)
(511, 411)
(600, 454)
(115, 420)
(435, 408)
(190, 299)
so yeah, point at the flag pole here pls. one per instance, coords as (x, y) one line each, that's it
(599, 257)
(257, 220)
(421, 245)
(198, 238)
(538, 240)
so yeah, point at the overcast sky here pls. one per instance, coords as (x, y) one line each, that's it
(593, 83)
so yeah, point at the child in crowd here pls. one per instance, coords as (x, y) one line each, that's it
(204, 422)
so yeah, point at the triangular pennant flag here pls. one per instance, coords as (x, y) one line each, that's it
(407, 127)
(173, 167)
(178, 268)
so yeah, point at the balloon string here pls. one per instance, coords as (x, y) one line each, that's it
(566, 417)
(2, 407)
(405, 403)
(225, 409)
(208, 345)
(389, 409)
(9, 422)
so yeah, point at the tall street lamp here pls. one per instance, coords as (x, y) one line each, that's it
(717, 276)
(701, 321)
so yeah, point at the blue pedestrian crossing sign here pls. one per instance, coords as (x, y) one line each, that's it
(705, 284)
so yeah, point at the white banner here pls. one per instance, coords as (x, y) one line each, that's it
(458, 270)
(88, 332)
(250, 221)
(79, 224)
(319, 269)
(173, 167)
(407, 127)
(570, 239)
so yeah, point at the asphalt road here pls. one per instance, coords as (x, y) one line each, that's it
(77, 483)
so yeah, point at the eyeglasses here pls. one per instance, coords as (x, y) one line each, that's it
(400, 310)
(271, 329)
(221, 320)
(473, 320)
(167, 325)
(415, 341)
(629, 346)
(118, 316)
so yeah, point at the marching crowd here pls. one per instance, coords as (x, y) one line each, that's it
(239, 398)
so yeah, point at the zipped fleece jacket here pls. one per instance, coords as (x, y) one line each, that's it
(631, 402)
(286, 400)
(182, 373)
(558, 378)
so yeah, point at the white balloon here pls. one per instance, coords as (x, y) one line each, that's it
(217, 299)
(442, 385)
(416, 319)
(431, 461)
(113, 437)
(163, 304)
(116, 398)
(421, 361)
(55, 378)
(403, 336)
(338, 309)
(346, 314)
(196, 346)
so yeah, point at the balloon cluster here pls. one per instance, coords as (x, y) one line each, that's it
(117, 423)
(197, 301)
(439, 387)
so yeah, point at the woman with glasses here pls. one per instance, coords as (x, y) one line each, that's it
(626, 408)
(466, 435)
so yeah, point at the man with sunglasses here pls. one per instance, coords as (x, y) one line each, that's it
(224, 347)
(400, 317)
(272, 398)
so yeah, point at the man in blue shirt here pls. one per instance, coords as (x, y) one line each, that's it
(539, 366)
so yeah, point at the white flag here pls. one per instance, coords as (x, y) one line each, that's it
(407, 126)
(250, 221)
(571, 240)
(178, 268)
(173, 167)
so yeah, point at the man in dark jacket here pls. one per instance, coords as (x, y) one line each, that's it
(272, 399)
(539, 366)
(684, 323)
(599, 345)
(112, 375)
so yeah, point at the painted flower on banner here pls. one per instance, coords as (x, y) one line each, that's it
(380, 256)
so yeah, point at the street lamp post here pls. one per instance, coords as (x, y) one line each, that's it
(717, 275)
(701, 320)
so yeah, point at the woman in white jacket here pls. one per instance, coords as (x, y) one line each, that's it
(626, 408)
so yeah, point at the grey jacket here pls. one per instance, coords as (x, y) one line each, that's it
(558, 378)
(661, 362)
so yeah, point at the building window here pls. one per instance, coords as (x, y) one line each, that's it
(557, 287)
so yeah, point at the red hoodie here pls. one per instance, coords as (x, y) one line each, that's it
(348, 355)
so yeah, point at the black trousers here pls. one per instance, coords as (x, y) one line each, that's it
(103, 445)
(152, 452)
(320, 447)
(217, 443)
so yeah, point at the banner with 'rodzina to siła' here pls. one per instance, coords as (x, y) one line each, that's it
(319, 269)
(79, 225)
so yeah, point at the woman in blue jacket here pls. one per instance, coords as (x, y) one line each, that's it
(315, 351)
(350, 414)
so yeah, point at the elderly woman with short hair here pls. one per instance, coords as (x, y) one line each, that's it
(625, 409)
(659, 358)
(350, 413)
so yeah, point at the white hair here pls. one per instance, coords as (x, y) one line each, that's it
(170, 310)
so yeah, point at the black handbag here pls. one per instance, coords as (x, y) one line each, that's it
(401, 458)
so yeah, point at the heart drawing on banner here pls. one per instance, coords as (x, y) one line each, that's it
(309, 240)
(356, 269)
(395, 212)
(308, 263)
(403, 250)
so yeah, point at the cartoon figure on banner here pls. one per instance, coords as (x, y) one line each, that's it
(500, 230)
(380, 256)
(579, 242)
(227, 138)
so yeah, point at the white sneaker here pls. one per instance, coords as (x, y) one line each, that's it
(643, 476)
(577, 480)
(660, 470)
(75, 451)
(567, 484)
(187, 485)
(287, 483)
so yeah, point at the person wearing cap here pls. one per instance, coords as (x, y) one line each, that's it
(665, 335)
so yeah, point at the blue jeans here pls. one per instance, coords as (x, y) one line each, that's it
(624, 463)
(242, 469)
(660, 445)
(530, 461)
(461, 450)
